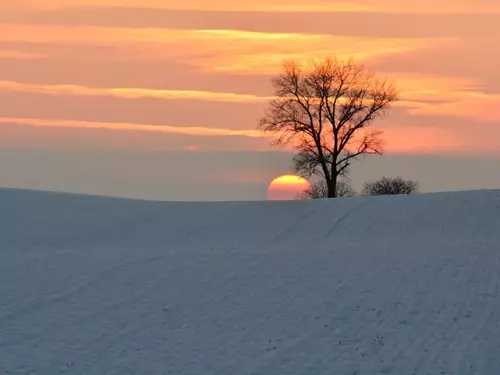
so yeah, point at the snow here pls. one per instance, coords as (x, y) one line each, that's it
(387, 285)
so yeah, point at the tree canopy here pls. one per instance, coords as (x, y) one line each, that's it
(325, 110)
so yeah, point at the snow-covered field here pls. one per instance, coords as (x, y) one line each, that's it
(389, 285)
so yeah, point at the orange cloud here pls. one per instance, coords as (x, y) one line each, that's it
(220, 50)
(74, 138)
(420, 94)
(430, 6)
(422, 140)
(398, 139)
(191, 130)
(403, 138)
(18, 55)
(447, 96)
(386, 6)
(213, 5)
(426, 87)
(473, 105)
(129, 93)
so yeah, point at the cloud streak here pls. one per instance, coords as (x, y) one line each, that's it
(420, 95)
(186, 130)
(19, 55)
(220, 50)
(423, 140)
(387, 6)
(131, 93)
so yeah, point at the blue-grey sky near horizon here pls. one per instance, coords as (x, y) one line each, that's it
(159, 99)
(221, 175)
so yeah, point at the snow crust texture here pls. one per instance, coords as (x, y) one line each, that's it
(358, 286)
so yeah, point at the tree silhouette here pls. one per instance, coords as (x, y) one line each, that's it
(319, 190)
(390, 186)
(325, 112)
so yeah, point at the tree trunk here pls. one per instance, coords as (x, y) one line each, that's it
(332, 187)
(332, 178)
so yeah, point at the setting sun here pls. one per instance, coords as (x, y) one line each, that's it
(286, 187)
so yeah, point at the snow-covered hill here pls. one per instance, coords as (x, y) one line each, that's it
(389, 285)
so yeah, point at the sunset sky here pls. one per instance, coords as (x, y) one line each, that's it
(159, 99)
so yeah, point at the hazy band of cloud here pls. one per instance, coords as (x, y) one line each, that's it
(19, 55)
(220, 50)
(421, 95)
(187, 130)
(353, 24)
(423, 140)
(130, 93)
(387, 6)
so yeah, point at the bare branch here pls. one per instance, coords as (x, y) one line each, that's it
(319, 190)
(325, 110)
(391, 186)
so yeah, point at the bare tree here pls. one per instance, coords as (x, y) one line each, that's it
(325, 112)
(390, 186)
(319, 190)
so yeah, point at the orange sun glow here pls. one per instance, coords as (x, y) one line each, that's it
(287, 187)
